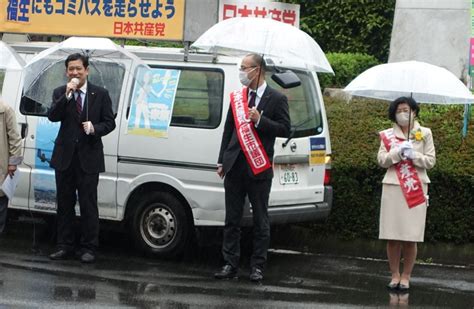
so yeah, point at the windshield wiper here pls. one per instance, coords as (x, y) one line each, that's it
(293, 130)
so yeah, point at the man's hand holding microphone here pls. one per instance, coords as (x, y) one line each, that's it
(71, 87)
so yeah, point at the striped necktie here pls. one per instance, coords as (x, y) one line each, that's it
(79, 103)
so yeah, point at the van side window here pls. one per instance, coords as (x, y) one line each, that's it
(198, 101)
(37, 100)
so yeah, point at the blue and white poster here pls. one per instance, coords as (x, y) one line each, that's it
(152, 102)
(44, 184)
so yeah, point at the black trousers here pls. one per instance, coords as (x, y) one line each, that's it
(67, 183)
(238, 183)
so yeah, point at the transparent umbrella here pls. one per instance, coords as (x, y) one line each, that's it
(286, 45)
(108, 63)
(424, 82)
(9, 59)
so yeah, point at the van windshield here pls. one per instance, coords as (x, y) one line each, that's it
(304, 105)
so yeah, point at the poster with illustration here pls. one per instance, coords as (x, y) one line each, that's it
(152, 102)
(43, 179)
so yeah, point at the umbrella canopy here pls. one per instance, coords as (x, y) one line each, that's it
(286, 45)
(108, 63)
(426, 83)
(9, 59)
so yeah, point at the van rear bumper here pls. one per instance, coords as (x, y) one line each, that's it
(297, 212)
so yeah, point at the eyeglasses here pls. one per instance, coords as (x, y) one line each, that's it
(242, 68)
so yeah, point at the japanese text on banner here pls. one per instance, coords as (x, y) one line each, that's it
(283, 12)
(154, 19)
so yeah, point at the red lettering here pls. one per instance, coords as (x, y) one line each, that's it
(118, 27)
(149, 29)
(128, 28)
(289, 17)
(260, 13)
(275, 14)
(230, 11)
(159, 29)
(244, 12)
(138, 28)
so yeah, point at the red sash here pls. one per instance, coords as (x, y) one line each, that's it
(406, 172)
(249, 141)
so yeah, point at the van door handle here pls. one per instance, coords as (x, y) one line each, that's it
(24, 130)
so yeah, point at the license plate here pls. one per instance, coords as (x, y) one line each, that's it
(288, 174)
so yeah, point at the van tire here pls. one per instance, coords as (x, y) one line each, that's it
(160, 225)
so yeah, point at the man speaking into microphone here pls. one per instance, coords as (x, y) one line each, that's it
(85, 113)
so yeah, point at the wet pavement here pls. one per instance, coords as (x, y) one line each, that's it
(321, 274)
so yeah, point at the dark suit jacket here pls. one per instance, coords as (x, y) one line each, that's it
(71, 137)
(274, 122)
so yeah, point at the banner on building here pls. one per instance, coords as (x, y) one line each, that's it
(284, 12)
(146, 19)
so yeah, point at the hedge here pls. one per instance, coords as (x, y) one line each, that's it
(346, 67)
(356, 177)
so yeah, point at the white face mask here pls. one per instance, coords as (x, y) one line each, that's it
(404, 118)
(244, 77)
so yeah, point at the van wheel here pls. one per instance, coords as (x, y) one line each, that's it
(160, 225)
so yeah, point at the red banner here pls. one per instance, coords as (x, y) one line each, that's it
(407, 175)
(248, 137)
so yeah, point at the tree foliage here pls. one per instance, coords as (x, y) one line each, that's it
(346, 67)
(362, 26)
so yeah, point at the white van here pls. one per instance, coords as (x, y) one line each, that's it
(164, 188)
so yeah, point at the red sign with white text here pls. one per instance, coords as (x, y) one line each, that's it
(283, 12)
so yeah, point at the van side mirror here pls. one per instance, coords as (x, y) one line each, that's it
(286, 79)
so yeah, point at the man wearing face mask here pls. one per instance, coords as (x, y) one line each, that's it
(406, 151)
(257, 115)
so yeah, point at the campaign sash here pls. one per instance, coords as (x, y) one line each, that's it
(407, 175)
(248, 138)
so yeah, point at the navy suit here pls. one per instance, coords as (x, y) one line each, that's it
(78, 159)
(240, 181)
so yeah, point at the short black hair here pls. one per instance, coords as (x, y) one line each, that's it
(77, 56)
(392, 110)
(258, 61)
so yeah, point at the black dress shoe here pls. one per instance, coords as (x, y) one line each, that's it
(256, 275)
(392, 285)
(403, 288)
(227, 272)
(61, 254)
(87, 257)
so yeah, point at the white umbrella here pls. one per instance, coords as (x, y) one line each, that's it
(105, 57)
(286, 45)
(425, 83)
(9, 59)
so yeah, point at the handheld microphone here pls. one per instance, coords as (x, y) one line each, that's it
(75, 81)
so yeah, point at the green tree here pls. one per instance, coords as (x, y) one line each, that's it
(355, 26)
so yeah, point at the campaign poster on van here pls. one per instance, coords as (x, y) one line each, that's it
(152, 102)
